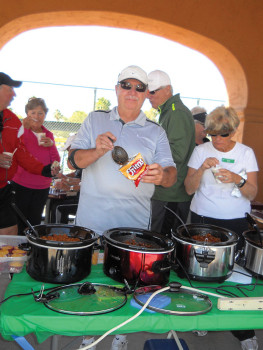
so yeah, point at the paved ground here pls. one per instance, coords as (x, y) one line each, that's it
(212, 341)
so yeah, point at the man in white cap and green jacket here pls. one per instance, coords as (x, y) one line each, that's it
(177, 121)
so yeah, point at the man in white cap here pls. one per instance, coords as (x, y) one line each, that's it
(107, 198)
(177, 121)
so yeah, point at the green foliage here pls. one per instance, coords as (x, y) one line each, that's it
(78, 117)
(59, 116)
(103, 104)
(152, 114)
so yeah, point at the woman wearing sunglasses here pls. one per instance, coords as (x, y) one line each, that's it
(222, 175)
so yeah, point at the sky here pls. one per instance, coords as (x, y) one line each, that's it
(70, 62)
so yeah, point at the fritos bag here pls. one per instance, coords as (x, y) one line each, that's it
(134, 169)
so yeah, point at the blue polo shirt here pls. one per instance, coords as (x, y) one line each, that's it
(107, 198)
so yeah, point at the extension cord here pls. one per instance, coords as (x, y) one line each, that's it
(232, 304)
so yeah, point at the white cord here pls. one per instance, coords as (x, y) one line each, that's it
(142, 309)
(204, 292)
(127, 321)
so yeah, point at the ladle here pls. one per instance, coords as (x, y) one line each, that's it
(119, 155)
(24, 219)
(253, 223)
(178, 217)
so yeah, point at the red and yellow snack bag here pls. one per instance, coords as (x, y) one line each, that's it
(134, 169)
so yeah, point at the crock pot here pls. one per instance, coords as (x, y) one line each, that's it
(253, 252)
(205, 261)
(60, 262)
(137, 256)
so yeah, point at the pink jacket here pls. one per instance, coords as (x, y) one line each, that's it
(45, 155)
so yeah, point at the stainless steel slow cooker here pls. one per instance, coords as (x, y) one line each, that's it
(205, 260)
(253, 252)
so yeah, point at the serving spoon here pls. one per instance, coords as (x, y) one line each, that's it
(119, 155)
(24, 219)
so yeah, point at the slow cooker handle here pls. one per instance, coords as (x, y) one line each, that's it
(25, 246)
(157, 266)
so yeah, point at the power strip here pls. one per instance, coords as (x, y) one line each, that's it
(240, 303)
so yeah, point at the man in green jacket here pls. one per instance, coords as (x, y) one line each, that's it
(177, 121)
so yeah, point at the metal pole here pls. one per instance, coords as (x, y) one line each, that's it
(95, 97)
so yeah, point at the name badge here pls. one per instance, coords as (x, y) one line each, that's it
(228, 160)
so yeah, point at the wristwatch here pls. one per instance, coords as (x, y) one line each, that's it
(241, 183)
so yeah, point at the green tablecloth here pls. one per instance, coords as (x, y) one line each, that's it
(22, 315)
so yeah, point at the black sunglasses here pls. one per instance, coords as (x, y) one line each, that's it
(154, 91)
(221, 135)
(126, 85)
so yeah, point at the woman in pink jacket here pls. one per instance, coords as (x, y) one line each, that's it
(31, 191)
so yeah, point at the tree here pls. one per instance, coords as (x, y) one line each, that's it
(59, 116)
(152, 114)
(103, 104)
(78, 117)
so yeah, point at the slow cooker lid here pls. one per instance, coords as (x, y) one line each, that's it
(182, 302)
(226, 237)
(85, 235)
(85, 299)
(138, 239)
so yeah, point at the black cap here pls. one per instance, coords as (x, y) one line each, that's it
(200, 117)
(6, 80)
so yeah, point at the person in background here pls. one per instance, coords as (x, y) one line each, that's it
(104, 189)
(11, 141)
(223, 198)
(31, 190)
(177, 121)
(199, 115)
(68, 183)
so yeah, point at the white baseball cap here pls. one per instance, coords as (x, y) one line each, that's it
(68, 142)
(133, 72)
(158, 79)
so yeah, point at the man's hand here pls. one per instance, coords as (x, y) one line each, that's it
(104, 143)
(158, 175)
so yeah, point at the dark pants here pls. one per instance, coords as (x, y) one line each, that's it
(238, 226)
(31, 202)
(7, 213)
(164, 221)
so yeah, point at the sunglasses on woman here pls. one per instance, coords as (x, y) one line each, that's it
(221, 135)
(126, 85)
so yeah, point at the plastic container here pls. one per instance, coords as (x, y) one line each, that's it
(12, 264)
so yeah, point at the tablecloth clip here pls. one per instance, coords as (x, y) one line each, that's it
(22, 342)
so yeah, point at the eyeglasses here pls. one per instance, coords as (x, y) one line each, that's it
(154, 91)
(222, 135)
(126, 85)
